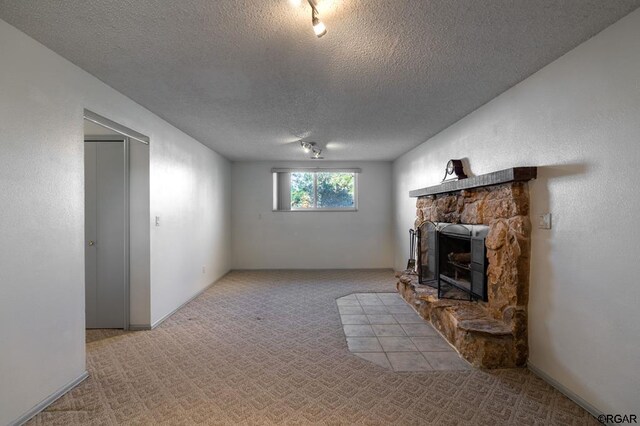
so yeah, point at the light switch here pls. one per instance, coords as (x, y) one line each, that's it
(157, 220)
(545, 221)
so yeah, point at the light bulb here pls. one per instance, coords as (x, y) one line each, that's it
(319, 28)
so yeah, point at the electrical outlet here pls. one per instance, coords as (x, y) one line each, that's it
(544, 221)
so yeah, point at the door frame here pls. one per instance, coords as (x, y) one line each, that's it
(126, 136)
(112, 125)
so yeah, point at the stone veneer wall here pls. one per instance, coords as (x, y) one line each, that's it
(505, 209)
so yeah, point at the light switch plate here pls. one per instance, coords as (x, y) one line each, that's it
(157, 220)
(544, 221)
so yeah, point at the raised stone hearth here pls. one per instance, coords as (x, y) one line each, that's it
(491, 334)
(480, 339)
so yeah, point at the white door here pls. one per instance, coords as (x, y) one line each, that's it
(105, 234)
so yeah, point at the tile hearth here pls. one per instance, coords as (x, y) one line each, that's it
(383, 329)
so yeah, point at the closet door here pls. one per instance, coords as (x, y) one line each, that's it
(105, 227)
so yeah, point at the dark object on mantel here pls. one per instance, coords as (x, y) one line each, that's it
(515, 174)
(454, 166)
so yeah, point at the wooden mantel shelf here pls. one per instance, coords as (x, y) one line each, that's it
(514, 174)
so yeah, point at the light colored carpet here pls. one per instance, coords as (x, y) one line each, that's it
(268, 348)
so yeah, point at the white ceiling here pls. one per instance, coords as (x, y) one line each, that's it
(249, 78)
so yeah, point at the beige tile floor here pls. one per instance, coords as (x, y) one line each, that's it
(383, 329)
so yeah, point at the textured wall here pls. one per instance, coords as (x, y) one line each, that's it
(578, 120)
(190, 191)
(42, 97)
(263, 239)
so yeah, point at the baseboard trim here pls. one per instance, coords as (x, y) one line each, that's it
(164, 318)
(309, 269)
(49, 400)
(562, 389)
(139, 327)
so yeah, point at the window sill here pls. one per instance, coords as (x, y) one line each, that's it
(316, 210)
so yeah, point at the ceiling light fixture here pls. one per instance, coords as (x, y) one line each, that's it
(316, 153)
(313, 149)
(318, 26)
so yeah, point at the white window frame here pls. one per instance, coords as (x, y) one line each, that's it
(287, 173)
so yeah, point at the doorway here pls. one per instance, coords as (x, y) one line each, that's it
(117, 223)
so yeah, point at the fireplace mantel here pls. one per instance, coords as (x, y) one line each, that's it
(514, 174)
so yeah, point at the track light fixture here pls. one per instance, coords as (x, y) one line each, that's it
(316, 153)
(311, 147)
(318, 26)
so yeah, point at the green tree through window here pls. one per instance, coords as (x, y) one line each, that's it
(302, 191)
(322, 190)
(335, 190)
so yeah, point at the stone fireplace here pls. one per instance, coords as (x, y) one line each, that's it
(488, 326)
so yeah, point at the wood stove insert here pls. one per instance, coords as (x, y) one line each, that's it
(453, 259)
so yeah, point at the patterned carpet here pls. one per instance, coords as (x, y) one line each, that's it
(268, 348)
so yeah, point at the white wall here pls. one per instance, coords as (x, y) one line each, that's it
(139, 235)
(263, 239)
(578, 119)
(42, 97)
(190, 191)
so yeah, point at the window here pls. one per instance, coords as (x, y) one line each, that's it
(315, 189)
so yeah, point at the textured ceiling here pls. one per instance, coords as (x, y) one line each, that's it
(249, 78)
